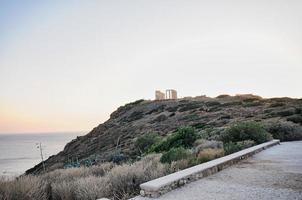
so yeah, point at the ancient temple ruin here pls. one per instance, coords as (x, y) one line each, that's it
(159, 95)
(170, 94)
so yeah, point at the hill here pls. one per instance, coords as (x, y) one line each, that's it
(116, 137)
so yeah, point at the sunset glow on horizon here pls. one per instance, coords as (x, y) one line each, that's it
(65, 66)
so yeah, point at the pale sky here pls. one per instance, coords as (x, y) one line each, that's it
(66, 65)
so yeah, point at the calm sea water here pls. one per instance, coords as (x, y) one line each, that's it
(19, 152)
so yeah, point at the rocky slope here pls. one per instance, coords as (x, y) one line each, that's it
(134, 119)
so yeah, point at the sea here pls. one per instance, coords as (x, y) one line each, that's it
(19, 152)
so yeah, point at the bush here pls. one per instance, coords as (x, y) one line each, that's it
(175, 154)
(277, 104)
(144, 142)
(212, 103)
(101, 169)
(284, 131)
(286, 112)
(246, 131)
(211, 133)
(232, 147)
(117, 157)
(252, 104)
(295, 118)
(223, 96)
(202, 144)
(184, 137)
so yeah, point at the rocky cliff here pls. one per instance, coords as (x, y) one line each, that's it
(134, 119)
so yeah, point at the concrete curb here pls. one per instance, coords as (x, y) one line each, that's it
(161, 185)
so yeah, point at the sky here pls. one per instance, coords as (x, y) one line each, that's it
(66, 65)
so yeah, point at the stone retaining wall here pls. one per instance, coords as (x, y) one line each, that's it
(167, 183)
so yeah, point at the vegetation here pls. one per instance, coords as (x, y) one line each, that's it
(244, 135)
(295, 118)
(175, 154)
(106, 180)
(219, 131)
(210, 117)
(183, 137)
(246, 131)
(25, 188)
(286, 112)
(210, 154)
(285, 131)
(182, 149)
(232, 147)
(144, 142)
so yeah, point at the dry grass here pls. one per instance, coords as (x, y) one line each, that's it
(91, 188)
(179, 165)
(203, 144)
(125, 179)
(25, 188)
(210, 154)
(106, 180)
(70, 174)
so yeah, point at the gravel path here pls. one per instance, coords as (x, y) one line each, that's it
(275, 173)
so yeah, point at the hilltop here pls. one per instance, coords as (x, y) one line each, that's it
(116, 137)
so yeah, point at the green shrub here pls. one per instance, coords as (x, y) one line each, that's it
(232, 147)
(117, 157)
(286, 112)
(284, 131)
(252, 104)
(175, 154)
(211, 133)
(295, 118)
(251, 99)
(246, 131)
(196, 161)
(199, 125)
(144, 142)
(232, 103)
(183, 137)
(223, 96)
(212, 103)
(277, 104)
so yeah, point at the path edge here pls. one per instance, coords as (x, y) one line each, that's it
(162, 185)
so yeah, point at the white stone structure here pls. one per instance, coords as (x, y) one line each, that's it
(159, 95)
(171, 94)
